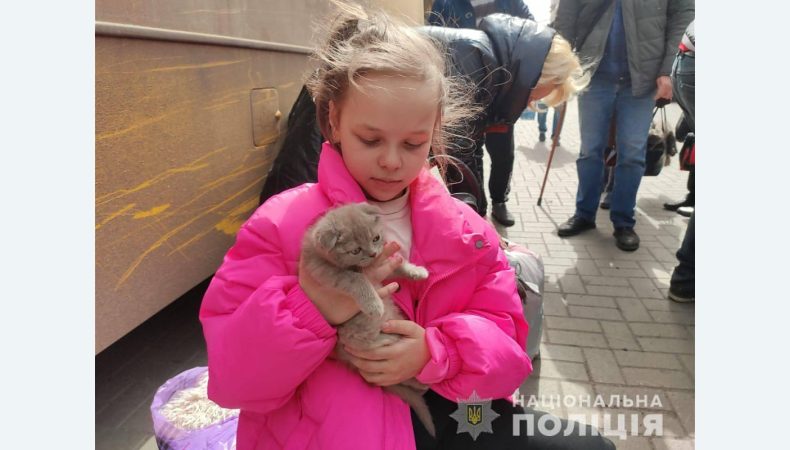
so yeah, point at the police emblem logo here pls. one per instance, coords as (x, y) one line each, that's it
(474, 415)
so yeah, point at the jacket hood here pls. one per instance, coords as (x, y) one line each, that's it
(520, 46)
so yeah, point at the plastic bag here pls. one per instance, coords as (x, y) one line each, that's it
(660, 143)
(220, 435)
(530, 278)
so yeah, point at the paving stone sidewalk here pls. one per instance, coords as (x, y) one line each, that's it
(609, 329)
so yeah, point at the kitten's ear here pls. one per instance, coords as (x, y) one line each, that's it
(327, 237)
(370, 210)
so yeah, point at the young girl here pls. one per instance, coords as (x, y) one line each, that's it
(384, 102)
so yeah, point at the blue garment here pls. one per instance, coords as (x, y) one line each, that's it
(603, 99)
(683, 85)
(554, 121)
(615, 58)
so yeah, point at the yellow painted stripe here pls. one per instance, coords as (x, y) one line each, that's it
(177, 230)
(192, 166)
(151, 212)
(114, 215)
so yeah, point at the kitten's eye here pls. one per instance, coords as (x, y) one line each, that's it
(356, 251)
(377, 238)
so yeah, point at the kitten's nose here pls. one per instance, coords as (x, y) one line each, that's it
(373, 255)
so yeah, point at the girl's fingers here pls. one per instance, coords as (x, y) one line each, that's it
(387, 290)
(402, 327)
(378, 379)
(384, 270)
(366, 365)
(382, 353)
(390, 248)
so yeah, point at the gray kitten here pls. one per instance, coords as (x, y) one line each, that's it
(334, 251)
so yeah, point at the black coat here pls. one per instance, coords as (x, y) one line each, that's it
(504, 59)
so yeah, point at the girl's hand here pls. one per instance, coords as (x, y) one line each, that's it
(338, 306)
(394, 363)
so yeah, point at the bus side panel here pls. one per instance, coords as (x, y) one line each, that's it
(177, 168)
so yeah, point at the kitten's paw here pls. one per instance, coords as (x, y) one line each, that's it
(416, 272)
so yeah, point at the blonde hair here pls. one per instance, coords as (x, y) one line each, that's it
(562, 69)
(361, 43)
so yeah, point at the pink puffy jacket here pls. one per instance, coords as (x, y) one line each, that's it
(268, 344)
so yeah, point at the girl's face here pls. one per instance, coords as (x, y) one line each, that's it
(385, 132)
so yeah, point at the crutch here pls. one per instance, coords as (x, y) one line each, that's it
(554, 141)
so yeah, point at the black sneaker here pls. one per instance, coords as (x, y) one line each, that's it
(542, 137)
(574, 226)
(626, 239)
(502, 215)
(681, 294)
(675, 206)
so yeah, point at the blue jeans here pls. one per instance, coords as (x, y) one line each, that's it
(604, 98)
(542, 122)
(683, 85)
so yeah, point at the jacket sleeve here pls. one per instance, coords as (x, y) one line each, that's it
(263, 334)
(565, 22)
(482, 348)
(680, 13)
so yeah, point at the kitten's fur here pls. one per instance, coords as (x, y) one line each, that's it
(334, 251)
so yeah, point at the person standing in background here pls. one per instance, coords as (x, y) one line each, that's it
(542, 125)
(628, 46)
(681, 285)
(499, 141)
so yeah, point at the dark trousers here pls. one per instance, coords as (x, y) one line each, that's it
(501, 149)
(690, 187)
(683, 90)
(683, 275)
(502, 438)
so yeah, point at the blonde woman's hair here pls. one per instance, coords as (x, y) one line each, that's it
(562, 69)
(361, 43)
